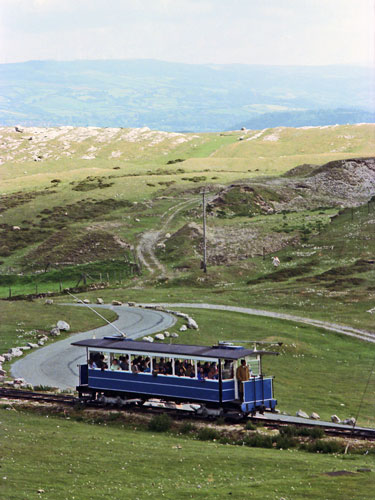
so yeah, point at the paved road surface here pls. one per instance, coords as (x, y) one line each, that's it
(55, 365)
(326, 325)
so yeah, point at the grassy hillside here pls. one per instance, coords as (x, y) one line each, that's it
(95, 458)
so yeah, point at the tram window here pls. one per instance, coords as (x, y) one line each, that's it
(227, 369)
(184, 368)
(162, 365)
(98, 360)
(124, 362)
(253, 364)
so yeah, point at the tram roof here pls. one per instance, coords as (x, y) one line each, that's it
(200, 351)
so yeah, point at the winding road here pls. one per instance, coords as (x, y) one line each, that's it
(56, 364)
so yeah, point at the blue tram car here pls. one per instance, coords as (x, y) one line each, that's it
(203, 376)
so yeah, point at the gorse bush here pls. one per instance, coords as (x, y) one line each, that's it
(208, 434)
(187, 427)
(160, 423)
(258, 441)
(321, 446)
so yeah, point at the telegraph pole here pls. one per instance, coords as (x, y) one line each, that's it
(204, 233)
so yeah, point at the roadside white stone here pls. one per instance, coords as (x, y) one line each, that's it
(2, 372)
(48, 302)
(301, 414)
(41, 342)
(16, 228)
(9, 382)
(15, 352)
(167, 334)
(55, 332)
(86, 301)
(159, 336)
(183, 328)
(116, 303)
(335, 419)
(168, 235)
(99, 301)
(19, 380)
(148, 339)
(182, 315)
(7, 356)
(32, 345)
(25, 348)
(131, 304)
(315, 416)
(174, 335)
(2, 359)
(192, 324)
(63, 325)
(349, 421)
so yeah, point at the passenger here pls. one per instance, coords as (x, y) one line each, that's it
(124, 362)
(181, 371)
(168, 368)
(206, 368)
(135, 367)
(189, 372)
(115, 365)
(104, 366)
(100, 361)
(201, 375)
(243, 375)
(147, 365)
(162, 368)
(92, 364)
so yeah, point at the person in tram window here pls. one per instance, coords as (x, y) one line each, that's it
(147, 365)
(243, 375)
(115, 365)
(201, 375)
(92, 364)
(124, 362)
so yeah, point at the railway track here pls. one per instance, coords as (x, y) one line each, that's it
(267, 420)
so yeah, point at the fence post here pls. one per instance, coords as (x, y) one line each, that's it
(10, 292)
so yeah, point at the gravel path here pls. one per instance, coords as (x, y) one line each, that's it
(334, 327)
(55, 365)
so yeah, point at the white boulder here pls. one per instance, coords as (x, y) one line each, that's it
(2, 359)
(335, 419)
(183, 328)
(174, 335)
(99, 301)
(15, 352)
(63, 325)
(192, 324)
(349, 421)
(32, 345)
(159, 336)
(55, 332)
(7, 356)
(116, 303)
(315, 416)
(131, 304)
(48, 302)
(167, 334)
(301, 414)
(86, 301)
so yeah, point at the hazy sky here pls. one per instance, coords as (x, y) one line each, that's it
(303, 32)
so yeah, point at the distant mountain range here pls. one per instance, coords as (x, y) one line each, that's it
(183, 97)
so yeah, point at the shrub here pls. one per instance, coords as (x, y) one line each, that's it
(208, 434)
(187, 427)
(258, 441)
(160, 423)
(250, 426)
(321, 446)
(284, 442)
(288, 431)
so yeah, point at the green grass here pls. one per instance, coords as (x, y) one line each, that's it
(22, 322)
(76, 460)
